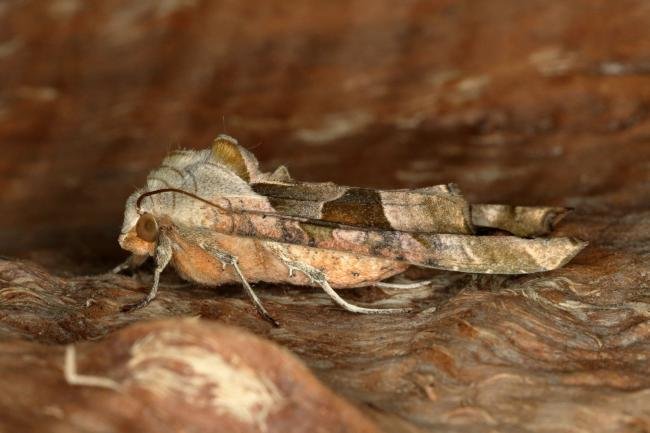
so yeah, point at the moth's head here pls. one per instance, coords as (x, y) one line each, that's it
(225, 169)
(140, 228)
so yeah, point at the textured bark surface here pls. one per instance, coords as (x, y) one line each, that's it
(532, 103)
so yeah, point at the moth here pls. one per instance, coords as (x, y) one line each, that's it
(218, 219)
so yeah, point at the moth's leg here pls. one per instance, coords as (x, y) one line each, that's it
(132, 263)
(162, 258)
(125, 265)
(228, 259)
(318, 277)
(409, 285)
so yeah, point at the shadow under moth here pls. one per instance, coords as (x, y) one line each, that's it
(217, 219)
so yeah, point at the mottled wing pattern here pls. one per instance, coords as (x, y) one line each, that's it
(435, 209)
(525, 221)
(432, 210)
(458, 252)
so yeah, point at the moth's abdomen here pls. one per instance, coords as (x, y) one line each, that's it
(343, 270)
(260, 261)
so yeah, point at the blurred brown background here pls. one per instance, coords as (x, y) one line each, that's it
(537, 102)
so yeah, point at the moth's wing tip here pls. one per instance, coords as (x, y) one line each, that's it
(579, 241)
(580, 244)
(573, 247)
(552, 219)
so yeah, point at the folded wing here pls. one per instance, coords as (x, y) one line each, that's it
(436, 209)
(458, 252)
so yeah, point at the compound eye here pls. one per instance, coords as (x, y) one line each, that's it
(147, 227)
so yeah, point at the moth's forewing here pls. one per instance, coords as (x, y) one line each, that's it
(437, 209)
(432, 210)
(525, 221)
(466, 253)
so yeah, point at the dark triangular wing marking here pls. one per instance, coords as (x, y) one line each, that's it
(430, 210)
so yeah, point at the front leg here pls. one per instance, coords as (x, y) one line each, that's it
(132, 263)
(163, 256)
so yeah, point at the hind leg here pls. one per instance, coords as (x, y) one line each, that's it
(318, 277)
(409, 285)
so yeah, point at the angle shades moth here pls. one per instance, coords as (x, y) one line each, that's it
(217, 218)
